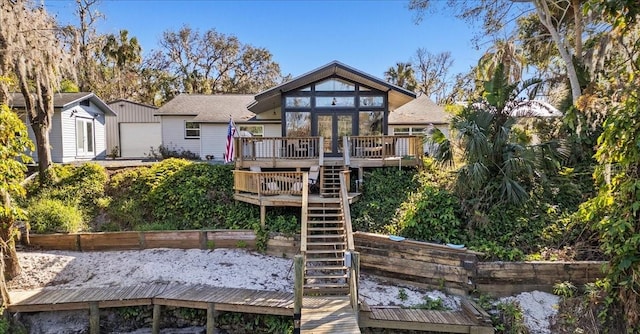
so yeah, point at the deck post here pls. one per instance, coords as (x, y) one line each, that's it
(94, 318)
(211, 318)
(155, 327)
(263, 215)
(298, 278)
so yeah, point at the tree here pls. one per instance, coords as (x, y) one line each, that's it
(212, 63)
(38, 60)
(432, 72)
(402, 75)
(15, 143)
(86, 43)
(123, 58)
(498, 165)
(505, 53)
(565, 21)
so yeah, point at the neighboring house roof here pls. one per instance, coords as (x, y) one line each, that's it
(64, 100)
(209, 108)
(115, 102)
(419, 111)
(270, 98)
(535, 108)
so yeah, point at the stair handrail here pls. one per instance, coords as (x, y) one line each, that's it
(354, 270)
(346, 210)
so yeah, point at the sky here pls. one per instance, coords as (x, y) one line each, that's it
(371, 36)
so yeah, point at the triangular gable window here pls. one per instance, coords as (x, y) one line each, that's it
(335, 85)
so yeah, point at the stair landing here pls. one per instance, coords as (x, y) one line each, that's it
(328, 314)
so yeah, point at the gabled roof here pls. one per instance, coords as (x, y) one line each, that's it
(270, 98)
(419, 111)
(64, 100)
(209, 108)
(115, 102)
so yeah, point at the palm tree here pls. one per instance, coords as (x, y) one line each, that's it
(124, 54)
(498, 165)
(505, 53)
(402, 75)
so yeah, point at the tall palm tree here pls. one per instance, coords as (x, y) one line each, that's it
(402, 75)
(124, 53)
(505, 53)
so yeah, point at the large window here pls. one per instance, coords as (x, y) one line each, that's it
(335, 85)
(409, 131)
(370, 123)
(251, 130)
(298, 102)
(298, 124)
(191, 130)
(335, 101)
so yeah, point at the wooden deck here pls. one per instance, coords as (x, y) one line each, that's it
(286, 200)
(327, 314)
(464, 321)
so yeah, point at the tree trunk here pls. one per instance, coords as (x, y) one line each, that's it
(9, 259)
(544, 14)
(4, 292)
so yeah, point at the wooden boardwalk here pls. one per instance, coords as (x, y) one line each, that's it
(468, 320)
(326, 314)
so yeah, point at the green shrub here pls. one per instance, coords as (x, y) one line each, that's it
(383, 192)
(52, 215)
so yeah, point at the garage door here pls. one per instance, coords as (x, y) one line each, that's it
(137, 139)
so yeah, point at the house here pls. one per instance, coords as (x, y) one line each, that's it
(419, 117)
(133, 130)
(77, 126)
(331, 102)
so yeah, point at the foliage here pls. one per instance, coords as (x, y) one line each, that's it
(431, 304)
(510, 318)
(243, 323)
(498, 166)
(564, 289)
(82, 186)
(431, 213)
(402, 75)
(382, 193)
(166, 153)
(53, 215)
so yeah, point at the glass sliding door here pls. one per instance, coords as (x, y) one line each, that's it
(333, 127)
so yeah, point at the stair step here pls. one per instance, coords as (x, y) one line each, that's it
(324, 229)
(343, 276)
(326, 285)
(326, 251)
(325, 236)
(326, 267)
(315, 243)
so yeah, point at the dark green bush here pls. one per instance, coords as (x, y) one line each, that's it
(383, 192)
(52, 215)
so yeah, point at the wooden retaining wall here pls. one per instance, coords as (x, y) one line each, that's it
(459, 271)
(211, 239)
(425, 264)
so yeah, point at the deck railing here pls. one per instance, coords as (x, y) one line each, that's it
(382, 147)
(306, 148)
(261, 148)
(269, 183)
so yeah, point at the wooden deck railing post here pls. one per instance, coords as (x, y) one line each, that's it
(304, 212)
(155, 325)
(211, 318)
(321, 151)
(94, 318)
(346, 151)
(298, 263)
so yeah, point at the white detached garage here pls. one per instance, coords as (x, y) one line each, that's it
(134, 131)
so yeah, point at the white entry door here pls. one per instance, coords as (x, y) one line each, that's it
(84, 137)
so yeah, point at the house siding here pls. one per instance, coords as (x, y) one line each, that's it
(173, 134)
(127, 112)
(68, 129)
(214, 140)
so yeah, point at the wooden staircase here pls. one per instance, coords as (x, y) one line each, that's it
(326, 244)
(330, 180)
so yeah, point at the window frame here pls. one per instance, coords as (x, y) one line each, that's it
(187, 129)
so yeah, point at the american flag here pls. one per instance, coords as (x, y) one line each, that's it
(231, 132)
